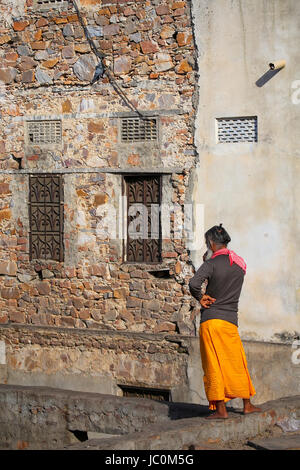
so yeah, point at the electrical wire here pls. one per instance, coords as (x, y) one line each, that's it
(105, 68)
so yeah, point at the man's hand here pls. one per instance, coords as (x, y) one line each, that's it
(206, 301)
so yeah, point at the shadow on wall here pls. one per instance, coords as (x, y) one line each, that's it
(266, 77)
(188, 410)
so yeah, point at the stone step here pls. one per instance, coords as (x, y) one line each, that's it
(277, 443)
(200, 433)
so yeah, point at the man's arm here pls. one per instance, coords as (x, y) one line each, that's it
(204, 272)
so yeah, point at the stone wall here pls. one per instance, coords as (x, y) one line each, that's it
(94, 361)
(47, 65)
(46, 70)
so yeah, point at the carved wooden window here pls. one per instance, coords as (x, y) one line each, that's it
(46, 217)
(143, 218)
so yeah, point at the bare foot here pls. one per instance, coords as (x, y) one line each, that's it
(217, 415)
(249, 408)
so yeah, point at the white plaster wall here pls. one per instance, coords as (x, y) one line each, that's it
(252, 188)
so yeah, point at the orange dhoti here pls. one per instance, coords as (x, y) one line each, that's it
(224, 362)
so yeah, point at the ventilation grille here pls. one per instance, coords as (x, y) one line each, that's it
(142, 392)
(48, 4)
(139, 130)
(237, 129)
(44, 132)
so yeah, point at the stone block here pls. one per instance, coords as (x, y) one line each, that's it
(100, 199)
(105, 44)
(149, 47)
(65, 321)
(41, 22)
(100, 269)
(153, 305)
(8, 267)
(67, 52)
(38, 45)
(50, 63)
(167, 32)
(111, 30)
(60, 20)
(162, 10)
(42, 77)
(84, 68)
(27, 63)
(177, 5)
(110, 315)
(82, 48)
(17, 317)
(104, 11)
(47, 274)
(120, 293)
(77, 302)
(167, 19)
(5, 214)
(23, 50)
(101, 20)
(122, 65)
(131, 25)
(4, 188)
(4, 39)
(25, 277)
(66, 106)
(68, 30)
(43, 287)
(184, 38)
(163, 62)
(20, 25)
(41, 55)
(184, 67)
(84, 314)
(165, 326)
(73, 18)
(133, 302)
(96, 31)
(7, 75)
(179, 12)
(10, 293)
(135, 37)
(96, 127)
(38, 35)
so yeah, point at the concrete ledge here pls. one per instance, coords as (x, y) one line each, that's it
(201, 434)
(45, 418)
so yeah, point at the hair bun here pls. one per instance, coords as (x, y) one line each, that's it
(218, 235)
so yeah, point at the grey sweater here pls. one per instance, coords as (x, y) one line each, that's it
(224, 284)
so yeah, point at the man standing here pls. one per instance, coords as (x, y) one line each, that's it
(224, 362)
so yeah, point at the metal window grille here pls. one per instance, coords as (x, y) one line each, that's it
(46, 217)
(143, 218)
(237, 129)
(143, 392)
(44, 132)
(139, 130)
(48, 4)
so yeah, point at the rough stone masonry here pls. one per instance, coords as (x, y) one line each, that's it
(46, 68)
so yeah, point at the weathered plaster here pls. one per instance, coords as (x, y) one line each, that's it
(252, 187)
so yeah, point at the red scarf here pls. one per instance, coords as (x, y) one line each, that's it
(233, 257)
